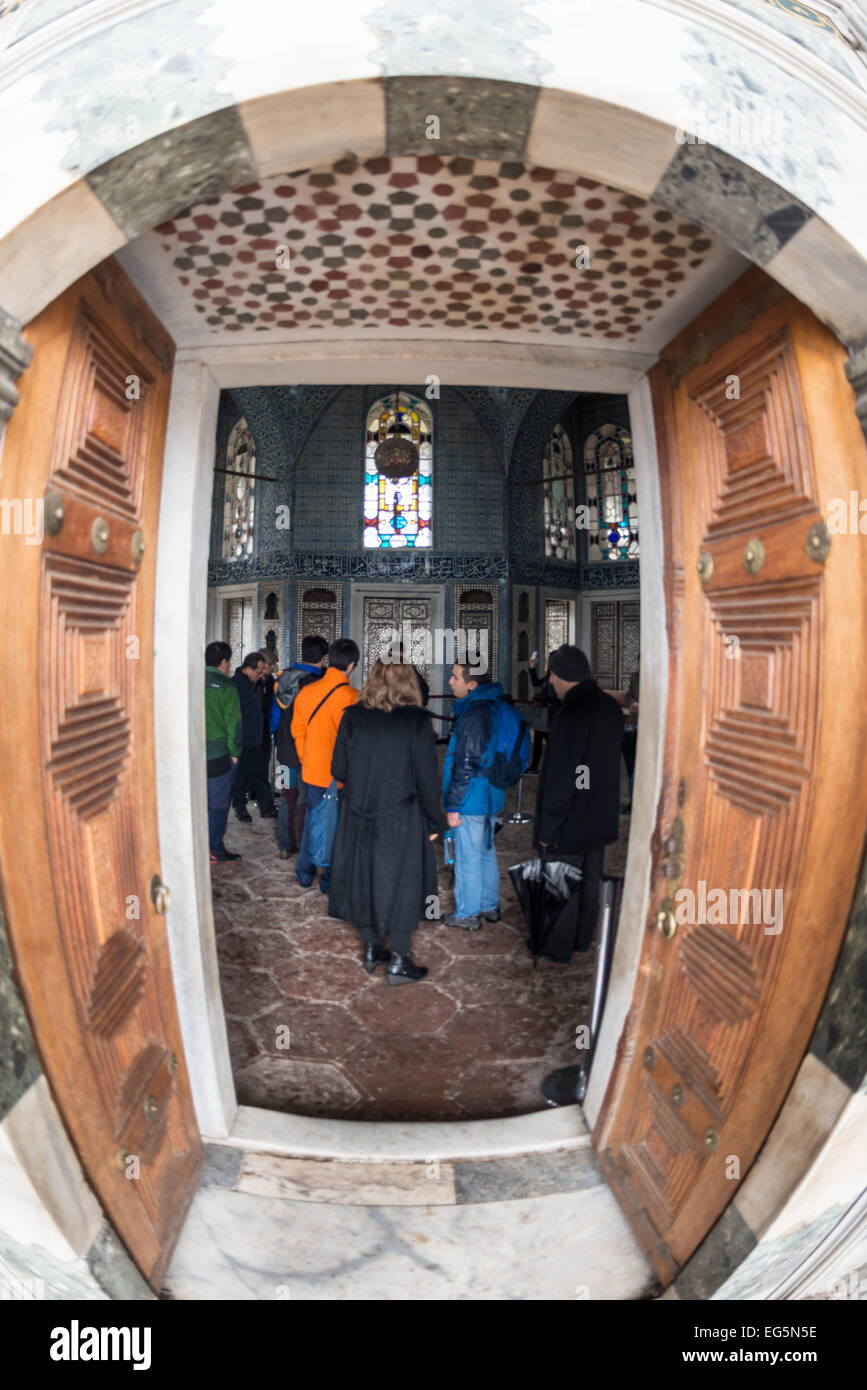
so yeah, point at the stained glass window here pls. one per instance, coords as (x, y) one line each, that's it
(398, 511)
(559, 497)
(239, 498)
(609, 485)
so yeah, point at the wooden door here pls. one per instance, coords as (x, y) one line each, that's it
(78, 834)
(764, 785)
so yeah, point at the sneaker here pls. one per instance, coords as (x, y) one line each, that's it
(492, 915)
(214, 859)
(287, 853)
(468, 923)
(225, 855)
(305, 883)
(244, 815)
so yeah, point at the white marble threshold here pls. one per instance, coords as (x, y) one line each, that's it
(568, 1246)
(299, 1136)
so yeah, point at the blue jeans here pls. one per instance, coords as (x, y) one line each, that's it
(219, 792)
(305, 869)
(477, 873)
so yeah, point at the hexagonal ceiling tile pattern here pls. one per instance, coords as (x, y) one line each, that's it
(429, 244)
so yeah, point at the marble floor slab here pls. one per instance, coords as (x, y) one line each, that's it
(566, 1247)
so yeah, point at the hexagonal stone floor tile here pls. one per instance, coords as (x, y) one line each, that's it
(413, 1008)
(317, 975)
(296, 1087)
(313, 1032)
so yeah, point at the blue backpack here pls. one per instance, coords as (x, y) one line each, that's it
(508, 753)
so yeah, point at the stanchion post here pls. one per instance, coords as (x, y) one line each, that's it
(517, 817)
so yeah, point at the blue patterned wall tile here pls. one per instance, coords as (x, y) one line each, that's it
(487, 523)
(614, 575)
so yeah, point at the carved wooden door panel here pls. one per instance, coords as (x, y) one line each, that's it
(78, 838)
(760, 823)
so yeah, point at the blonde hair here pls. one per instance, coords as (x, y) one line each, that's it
(389, 685)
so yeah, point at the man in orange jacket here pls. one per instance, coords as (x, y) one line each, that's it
(316, 714)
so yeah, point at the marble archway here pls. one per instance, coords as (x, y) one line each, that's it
(61, 224)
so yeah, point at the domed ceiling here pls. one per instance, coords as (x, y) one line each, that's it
(429, 246)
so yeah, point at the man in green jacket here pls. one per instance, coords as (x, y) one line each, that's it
(223, 734)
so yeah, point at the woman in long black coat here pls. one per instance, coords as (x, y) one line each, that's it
(383, 870)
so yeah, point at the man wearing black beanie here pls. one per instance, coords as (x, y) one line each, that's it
(578, 802)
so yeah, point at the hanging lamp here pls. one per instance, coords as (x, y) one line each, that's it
(397, 454)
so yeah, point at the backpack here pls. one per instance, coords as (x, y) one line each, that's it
(508, 753)
(283, 740)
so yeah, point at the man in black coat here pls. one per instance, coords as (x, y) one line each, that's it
(578, 802)
(252, 764)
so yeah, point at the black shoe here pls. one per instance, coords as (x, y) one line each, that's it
(492, 915)
(468, 923)
(243, 815)
(375, 955)
(402, 970)
(224, 855)
(287, 853)
(268, 815)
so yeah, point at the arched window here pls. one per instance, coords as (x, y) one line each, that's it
(609, 482)
(398, 511)
(559, 488)
(239, 499)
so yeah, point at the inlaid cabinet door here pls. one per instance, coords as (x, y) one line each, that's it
(758, 838)
(387, 623)
(79, 856)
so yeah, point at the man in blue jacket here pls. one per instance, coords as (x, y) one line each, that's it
(471, 802)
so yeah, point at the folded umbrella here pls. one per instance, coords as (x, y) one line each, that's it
(543, 887)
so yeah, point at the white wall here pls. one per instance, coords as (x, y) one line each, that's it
(649, 759)
(179, 711)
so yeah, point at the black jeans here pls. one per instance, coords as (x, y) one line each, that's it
(630, 738)
(539, 736)
(252, 766)
(579, 923)
(399, 941)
